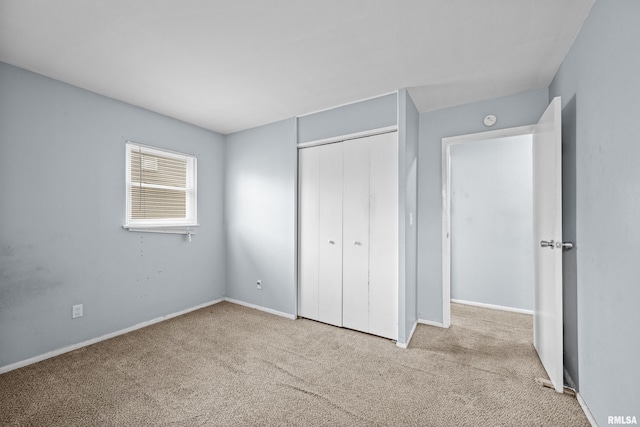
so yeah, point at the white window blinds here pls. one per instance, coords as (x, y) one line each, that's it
(161, 188)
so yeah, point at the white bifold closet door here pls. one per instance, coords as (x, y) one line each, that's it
(370, 229)
(349, 234)
(321, 234)
(355, 217)
(383, 232)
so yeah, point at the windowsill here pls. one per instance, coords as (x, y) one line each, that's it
(167, 229)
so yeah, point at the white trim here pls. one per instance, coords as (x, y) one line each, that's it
(163, 229)
(258, 307)
(296, 232)
(405, 345)
(355, 135)
(160, 151)
(347, 103)
(446, 230)
(398, 113)
(446, 202)
(586, 410)
(431, 323)
(110, 335)
(492, 134)
(493, 306)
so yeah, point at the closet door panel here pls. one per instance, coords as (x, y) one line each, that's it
(309, 202)
(355, 288)
(330, 234)
(383, 270)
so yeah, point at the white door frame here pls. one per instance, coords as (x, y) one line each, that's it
(446, 202)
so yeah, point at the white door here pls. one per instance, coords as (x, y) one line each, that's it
(547, 237)
(383, 231)
(349, 234)
(355, 281)
(309, 200)
(330, 234)
(320, 181)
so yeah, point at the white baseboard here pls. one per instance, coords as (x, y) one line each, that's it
(583, 405)
(67, 349)
(405, 345)
(586, 410)
(493, 307)
(430, 323)
(258, 307)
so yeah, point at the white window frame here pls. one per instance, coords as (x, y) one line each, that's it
(163, 225)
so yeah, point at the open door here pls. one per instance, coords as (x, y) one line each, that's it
(547, 238)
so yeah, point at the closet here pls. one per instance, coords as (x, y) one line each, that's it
(348, 230)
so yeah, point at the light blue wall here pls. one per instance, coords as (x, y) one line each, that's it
(62, 193)
(260, 215)
(599, 82)
(260, 198)
(361, 116)
(516, 110)
(408, 230)
(491, 222)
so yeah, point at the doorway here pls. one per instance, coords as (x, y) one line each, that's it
(479, 236)
(547, 232)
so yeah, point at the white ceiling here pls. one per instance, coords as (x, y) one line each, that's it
(232, 65)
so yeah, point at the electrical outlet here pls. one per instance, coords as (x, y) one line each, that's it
(259, 283)
(76, 311)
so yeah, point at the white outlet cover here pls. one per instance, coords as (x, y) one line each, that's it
(76, 311)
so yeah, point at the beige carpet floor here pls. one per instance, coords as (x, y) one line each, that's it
(230, 365)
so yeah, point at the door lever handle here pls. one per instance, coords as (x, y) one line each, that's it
(332, 242)
(547, 244)
(356, 243)
(552, 244)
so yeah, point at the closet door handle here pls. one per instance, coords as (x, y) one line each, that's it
(332, 242)
(356, 243)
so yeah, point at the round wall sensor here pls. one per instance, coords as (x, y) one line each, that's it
(490, 120)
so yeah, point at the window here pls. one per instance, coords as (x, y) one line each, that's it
(161, 189)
